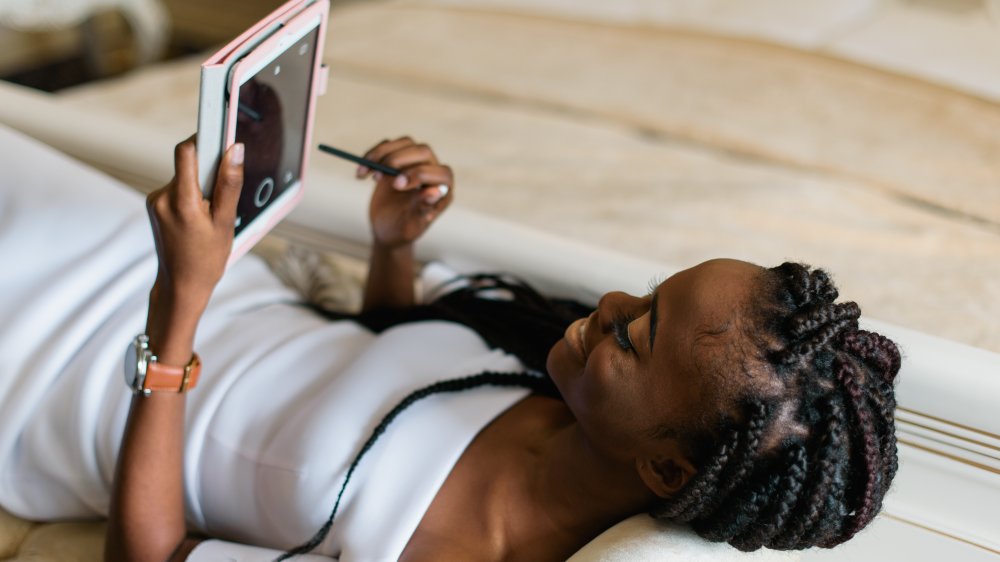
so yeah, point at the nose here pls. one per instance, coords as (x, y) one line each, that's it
(611, 306)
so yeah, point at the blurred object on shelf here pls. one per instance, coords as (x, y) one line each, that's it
(54, 44)
(200, 25)
(147, 20)
(50, 47)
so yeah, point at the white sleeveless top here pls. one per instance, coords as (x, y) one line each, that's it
(285, 401)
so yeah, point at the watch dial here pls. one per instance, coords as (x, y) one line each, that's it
(131, 364)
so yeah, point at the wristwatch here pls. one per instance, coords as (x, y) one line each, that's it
(143, 374)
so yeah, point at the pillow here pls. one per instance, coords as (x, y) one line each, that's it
(644, 539)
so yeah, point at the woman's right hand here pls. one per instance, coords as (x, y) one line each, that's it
(403, 207)
(193, 235)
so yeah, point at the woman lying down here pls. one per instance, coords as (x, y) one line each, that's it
(491, 424)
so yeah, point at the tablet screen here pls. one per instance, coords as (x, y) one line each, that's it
(271, 122)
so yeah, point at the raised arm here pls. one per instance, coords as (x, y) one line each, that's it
(193, 238)
(401, 210)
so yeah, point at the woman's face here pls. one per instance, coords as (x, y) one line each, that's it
(640, 368)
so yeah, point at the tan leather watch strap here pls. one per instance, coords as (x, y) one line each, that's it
(161, 377)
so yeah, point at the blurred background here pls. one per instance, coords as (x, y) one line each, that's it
(56, 44)
(52, 44)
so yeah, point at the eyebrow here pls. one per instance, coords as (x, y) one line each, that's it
(652, 321)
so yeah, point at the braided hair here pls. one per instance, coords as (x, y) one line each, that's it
(522, 322)
(816, 489)
(447, 386)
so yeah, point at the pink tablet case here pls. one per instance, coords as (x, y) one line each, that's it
(251, 46)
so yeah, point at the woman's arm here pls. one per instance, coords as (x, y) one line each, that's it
(193, 237)
(402, 208)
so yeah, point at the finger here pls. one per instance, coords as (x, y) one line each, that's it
(435, 194)
(379, 151)
(422, 175)
(228, 185)
(184, 190)
(408, 156)
(434, 200)
(430, 212)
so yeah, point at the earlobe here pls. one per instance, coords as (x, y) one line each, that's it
(665, 475)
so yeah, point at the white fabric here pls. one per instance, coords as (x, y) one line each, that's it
(642, 539)
(285, 400)
(216, 550)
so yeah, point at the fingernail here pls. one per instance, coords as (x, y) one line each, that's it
(377, 176)
(362, 171)
(237, 157)
(399, 182)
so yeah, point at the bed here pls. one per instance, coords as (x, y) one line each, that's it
(565, 130)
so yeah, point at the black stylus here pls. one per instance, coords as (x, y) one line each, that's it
(359, 160)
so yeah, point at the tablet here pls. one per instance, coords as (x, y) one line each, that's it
(261, 90)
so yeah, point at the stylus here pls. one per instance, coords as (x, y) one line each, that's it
(359, 160)
(248, 111)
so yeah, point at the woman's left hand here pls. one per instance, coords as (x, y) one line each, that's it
(404, 206)
(193, 235)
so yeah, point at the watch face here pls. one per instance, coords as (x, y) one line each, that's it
(131, 364)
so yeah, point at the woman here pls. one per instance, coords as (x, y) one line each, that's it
(742, 400)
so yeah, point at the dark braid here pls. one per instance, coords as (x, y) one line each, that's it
(814, 487)
(453, 385)
(819, 486)
(524, 323)
(728, 470)
(506, 312)
(794, 480)
(698, 492)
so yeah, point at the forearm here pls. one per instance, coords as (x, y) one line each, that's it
(390, 278)
(146, 519)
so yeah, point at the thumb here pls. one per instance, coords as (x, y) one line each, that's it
(228, 185)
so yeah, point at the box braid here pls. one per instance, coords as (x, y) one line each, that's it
(523, 323)
(813, 490)
(816, 490)
(490, 378)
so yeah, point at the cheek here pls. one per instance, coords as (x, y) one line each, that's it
(610, 402)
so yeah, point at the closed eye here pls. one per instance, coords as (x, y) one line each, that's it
(619, 327)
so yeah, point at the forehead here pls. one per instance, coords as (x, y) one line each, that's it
(700, 329)
(709, 293)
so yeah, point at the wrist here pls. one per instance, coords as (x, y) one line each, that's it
(399, 249)
(171, 324)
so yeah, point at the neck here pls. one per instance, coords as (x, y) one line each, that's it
(568, 492)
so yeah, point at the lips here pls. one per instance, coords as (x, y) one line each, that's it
(576, 337)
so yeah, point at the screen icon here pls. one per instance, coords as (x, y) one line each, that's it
(264, 192)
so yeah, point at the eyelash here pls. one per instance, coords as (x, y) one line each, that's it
(619, 327)
(655, 281)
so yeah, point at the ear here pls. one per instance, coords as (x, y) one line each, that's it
(666, 471)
